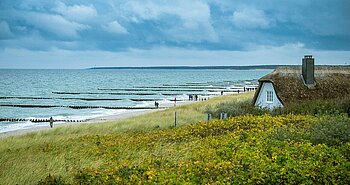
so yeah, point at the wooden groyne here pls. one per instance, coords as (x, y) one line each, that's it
(178, 94)
(216, 85)
(59, 98)
(86, 99)
(135, 99)
(150, 89)
(74, 106)
(152, 99)
(181, 87)
(127, 94)
(76, 93)
(37, 120)
(192, 83)
(196, 83)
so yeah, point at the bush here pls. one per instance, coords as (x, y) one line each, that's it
(51, 180)
(332, 131)
(284, 133)
(237, 108)
(316, 107)
(234, 151)
(319, 107)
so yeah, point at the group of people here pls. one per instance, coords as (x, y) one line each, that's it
(156, 104)
(195, 98)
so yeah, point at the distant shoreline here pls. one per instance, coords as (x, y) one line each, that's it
(254, 67)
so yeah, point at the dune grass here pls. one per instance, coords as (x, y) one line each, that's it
(61, 151)
(147, 149)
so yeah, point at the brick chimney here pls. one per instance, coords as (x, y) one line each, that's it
(308, 70)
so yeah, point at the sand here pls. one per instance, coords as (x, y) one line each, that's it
(125, 115)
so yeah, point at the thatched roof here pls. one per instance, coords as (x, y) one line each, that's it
(331, 82)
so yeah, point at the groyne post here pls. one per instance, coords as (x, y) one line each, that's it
(208, 117)
(223, 116)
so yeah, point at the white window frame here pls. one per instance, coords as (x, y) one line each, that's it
(269, 96)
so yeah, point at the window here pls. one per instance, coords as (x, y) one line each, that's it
(269, 96)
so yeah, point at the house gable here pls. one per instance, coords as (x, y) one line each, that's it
(267, 96)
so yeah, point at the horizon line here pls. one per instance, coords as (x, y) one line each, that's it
(237, 67)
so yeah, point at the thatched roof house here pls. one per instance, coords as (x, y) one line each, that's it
(298, 83)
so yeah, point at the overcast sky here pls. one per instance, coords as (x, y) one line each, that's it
(88, 33)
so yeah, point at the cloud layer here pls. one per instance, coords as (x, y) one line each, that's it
(250, 18)
(196, 25)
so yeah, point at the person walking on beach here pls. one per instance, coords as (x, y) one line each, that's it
(51, 122)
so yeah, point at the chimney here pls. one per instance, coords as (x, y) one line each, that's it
(308, 70)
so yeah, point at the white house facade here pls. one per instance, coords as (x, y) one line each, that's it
(267, 97)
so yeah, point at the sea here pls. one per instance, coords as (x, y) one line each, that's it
(40, 94)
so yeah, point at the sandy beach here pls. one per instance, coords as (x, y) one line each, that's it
(125, 115)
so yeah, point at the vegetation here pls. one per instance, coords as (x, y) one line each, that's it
(253, 148)
(236, 108)
(238, 150)
(317, 107)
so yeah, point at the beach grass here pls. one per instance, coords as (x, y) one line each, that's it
(244, 149)
(26, 159)
(186, 114)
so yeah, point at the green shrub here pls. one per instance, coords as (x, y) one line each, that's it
(319, 107)
(333, 131)
(237, 108)
(233, 151)
(345, 150)
(51, 180)
(283, 133)
(316, 107)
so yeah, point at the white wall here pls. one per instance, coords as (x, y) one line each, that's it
(261, 100)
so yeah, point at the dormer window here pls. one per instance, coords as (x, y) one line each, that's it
(269, 96)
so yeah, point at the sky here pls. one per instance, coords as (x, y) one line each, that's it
(88, 33)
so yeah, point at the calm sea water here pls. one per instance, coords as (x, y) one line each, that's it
(41, 83)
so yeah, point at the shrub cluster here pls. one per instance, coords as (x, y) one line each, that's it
(236, 108)
(316, 107)
(331, 131)
(51, 180)
(289, 145)
(319, 107)
(239, 150)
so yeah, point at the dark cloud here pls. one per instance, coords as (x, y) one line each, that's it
(205, 25)
(215, 24)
